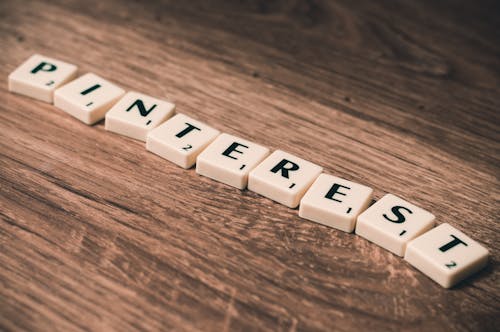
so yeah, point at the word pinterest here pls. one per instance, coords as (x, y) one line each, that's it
(443, 253)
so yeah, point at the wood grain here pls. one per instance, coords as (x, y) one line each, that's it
(98, 234)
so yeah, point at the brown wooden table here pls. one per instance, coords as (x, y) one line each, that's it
(96, 233)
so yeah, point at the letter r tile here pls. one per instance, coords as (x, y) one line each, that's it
(283, 178)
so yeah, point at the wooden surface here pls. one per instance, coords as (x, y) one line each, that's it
(96, 233)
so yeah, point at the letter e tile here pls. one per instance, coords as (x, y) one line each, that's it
(229, 159)
(335, 202)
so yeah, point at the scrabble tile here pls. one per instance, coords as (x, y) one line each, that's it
(136, 114)
(335, 202)
(180, 139)
(392, 222)
(39, 76)
(229, 159)
(283, 178)
(87, 98)
(446, 255)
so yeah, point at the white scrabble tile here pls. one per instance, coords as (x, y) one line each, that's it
(136, 114)
(446, 255)
(335, 202)
(283, 178)
(229, 159)
(392, 222)
(87, 98)
(39, 76)
(180, 139)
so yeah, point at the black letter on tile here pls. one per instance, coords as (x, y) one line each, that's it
(399, 215)
(284, 170)
(232, 148)
(141, 107)
(189, 128)
(451, 264)
(335, 190)
(89, 90)
(456, 241)
(42, 67)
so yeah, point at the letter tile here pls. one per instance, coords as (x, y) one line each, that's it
(283, 178)
(87, 98)
(180, 139)
(446, 255)
(39, 76)
(335, 202)
(136, 114)
(392, 222)
(229, 159)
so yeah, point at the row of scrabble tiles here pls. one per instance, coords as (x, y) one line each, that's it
(443, 253)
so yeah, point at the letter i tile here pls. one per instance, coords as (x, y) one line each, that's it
(87, 98)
